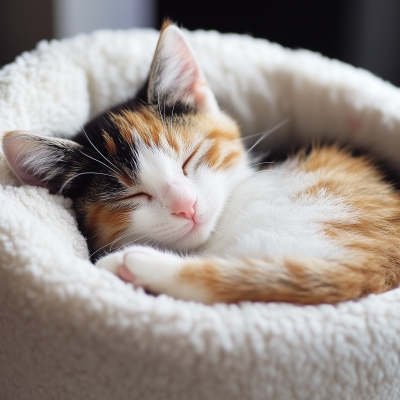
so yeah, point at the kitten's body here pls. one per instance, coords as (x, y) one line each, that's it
(168, 170)
(317, 229)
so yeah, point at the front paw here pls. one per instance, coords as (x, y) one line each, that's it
(111, 262)
(144, 267)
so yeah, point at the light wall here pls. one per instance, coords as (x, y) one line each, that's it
(81, 16)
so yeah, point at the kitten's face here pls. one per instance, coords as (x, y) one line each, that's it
(172, 178)
(154, 170)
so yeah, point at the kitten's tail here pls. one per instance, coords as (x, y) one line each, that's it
(293, 280)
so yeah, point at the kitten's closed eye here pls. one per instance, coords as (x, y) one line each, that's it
(188, 160)
(136, 196)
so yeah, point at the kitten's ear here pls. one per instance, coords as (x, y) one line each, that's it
(176, 75)
(39, 160)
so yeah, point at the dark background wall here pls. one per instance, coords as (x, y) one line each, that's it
(23, 23)
(312, 24)
(365, 33)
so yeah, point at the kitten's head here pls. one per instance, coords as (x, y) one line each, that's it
(157, 169)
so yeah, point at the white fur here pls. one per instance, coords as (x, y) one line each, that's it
(267, 215)
(152, 220)
(72, 331)
(155, 271)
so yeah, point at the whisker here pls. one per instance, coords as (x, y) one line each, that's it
(268, 132)
(260, 156)
(133, 241)
(123, 237)
(95, 159)
(126, 244)
(130, 234)
(82, 173)
(249, 136)
(252, 135)
(265, 162)
(116, 240)
(87, 137)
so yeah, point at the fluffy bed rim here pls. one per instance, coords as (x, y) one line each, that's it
(71, 331)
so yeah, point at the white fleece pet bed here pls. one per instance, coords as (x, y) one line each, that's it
(71, 331)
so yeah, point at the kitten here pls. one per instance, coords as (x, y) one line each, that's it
(168, 170)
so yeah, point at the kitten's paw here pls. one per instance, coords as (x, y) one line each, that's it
(149, 268)
(144, 267)
(112, 262)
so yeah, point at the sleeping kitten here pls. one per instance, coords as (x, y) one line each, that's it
(166, 178)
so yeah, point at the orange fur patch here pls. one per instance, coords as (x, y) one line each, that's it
(300, 281)
(226, 148)
(110, 145)
(10, 133)
(109, 223)
(143, 122)
(372, 264)
(374, 238)
(167, 22)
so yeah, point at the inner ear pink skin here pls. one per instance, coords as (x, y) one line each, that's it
(181, 77)
(17, 149)
(180, 199)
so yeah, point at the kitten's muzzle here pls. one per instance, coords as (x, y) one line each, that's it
(181, 200)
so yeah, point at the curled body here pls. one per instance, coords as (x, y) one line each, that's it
(166, 195)
(320, 228)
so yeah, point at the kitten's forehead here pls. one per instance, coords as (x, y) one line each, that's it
(156, 166)
(140, 122)
(176, 135)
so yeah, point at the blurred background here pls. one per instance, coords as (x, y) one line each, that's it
(364, 33)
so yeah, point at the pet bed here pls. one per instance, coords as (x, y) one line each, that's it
(71, 331)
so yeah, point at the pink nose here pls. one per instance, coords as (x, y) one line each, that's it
(184, 207)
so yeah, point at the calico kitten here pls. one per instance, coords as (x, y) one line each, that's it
(166, 178)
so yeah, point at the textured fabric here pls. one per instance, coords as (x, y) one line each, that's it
(71, 331)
